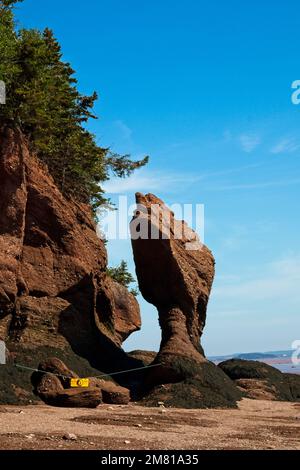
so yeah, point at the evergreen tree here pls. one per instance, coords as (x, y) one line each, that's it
(123, 276)
(44, 102)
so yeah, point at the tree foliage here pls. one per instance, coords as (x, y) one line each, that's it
(123, 276)
(43, 100)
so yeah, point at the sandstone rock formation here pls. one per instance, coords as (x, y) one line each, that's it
(173, 276)
(57, 300)
(147, 357)
(261, 381)
(293, 381)
(175, 273)
(52, 385)
(124, 310)
(54, 291)
(56, 368)
(51, 391)
(111, 392)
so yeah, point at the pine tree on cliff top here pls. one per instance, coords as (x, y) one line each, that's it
(121, 275)
(44, 101)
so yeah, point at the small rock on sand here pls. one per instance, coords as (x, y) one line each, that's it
(70, 437)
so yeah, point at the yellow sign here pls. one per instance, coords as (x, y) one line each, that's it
(80, 383)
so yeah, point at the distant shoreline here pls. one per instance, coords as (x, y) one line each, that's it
(284, 364)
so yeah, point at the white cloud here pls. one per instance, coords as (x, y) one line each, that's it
(247, 186)
(124, 130)
(238, 237)
(288, 145)
(145, 181)
(249, 142)
(229, 171)
(278, 280)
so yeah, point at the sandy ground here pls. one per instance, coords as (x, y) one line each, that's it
(255, 425)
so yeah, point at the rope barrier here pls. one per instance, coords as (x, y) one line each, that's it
(20, 366)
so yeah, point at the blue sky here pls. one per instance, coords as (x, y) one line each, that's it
(204, 88)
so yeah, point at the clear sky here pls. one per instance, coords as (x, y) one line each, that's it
(204, 88)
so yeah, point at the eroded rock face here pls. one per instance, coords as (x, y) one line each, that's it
(124, 309)
(261, 381)
(52, 385)
(57, 368)
(112, 393)
(54, 290)
(52, 393)
(175, 273)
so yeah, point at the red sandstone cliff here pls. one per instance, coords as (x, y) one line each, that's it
(54, 291)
